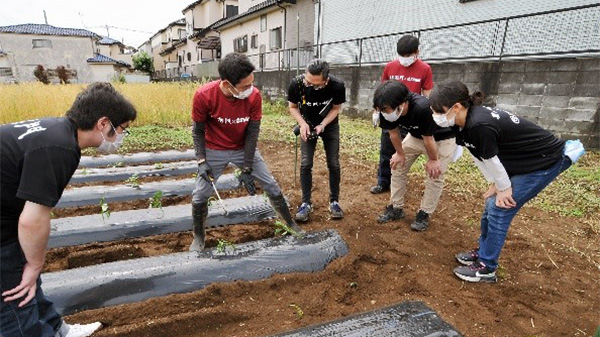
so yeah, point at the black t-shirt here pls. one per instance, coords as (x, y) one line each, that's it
(314, 105)
(37, 161)
(521, 145)
(418, 120)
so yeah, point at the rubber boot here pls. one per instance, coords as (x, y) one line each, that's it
(281, 208)
(199, 213)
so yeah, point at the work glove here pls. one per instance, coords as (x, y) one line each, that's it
(247, 180)
(375, 119)
(205, 171)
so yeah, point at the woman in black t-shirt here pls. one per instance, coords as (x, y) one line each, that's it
(517, 156)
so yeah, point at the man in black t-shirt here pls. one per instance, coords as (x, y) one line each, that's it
(37, 161)
(315, 100)
(398, 107)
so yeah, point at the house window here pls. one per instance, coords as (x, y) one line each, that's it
(263, 23)
(42, 43)
(189, 55)
(181, 33)
(275, 38)
(240, 44)
(254, 41)
(231, 10)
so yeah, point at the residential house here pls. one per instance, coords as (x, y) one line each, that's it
(26, 46)
(268, 30)
(115, 50)
(164, 55)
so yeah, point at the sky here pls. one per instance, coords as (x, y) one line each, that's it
(130, 21)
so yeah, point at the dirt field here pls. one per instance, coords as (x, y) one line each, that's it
(549, 284)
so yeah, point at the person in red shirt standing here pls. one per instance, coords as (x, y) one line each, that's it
(227, 115)
(417, 76)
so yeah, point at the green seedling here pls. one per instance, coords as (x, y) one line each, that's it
(156, 200)
(237, 173)
(298, 310)
(117, 164)
(134, 180)
(104, 211)
(52, 215)
(223, 244)
(159, 166)
(283, 229)
(84, 171)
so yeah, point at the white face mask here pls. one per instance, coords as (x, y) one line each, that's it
(393, 116)
(111, 147)
(407, 61)
(443, 121)
(242, 94)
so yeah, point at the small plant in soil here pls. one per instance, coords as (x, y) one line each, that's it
(104, 211)
(159, 166)
(84, 172)
(134, 181)
(156, 200)
(283, 229)
(117, 164)
(297, 310)
(222, 245)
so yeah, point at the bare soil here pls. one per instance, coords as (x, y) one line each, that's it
(549, 284)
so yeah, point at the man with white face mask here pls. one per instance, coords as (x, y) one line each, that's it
(37, 161)
(398, 107)
(409, 69)
(227, 115)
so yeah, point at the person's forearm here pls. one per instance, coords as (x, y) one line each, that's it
(34, 229)
(250, 143)
(335, 111)
(430, 147)
(295, 112)
(199, 137)
(396, 139)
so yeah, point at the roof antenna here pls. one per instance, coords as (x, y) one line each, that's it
(45, 18)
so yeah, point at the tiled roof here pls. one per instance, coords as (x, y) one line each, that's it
(107, 40)
(251, 10)
(99, 58)
(192, 5)
(32, 28)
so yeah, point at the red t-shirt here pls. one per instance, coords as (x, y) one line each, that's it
(226, 120)
(417, 77)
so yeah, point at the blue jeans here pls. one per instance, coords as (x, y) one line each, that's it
(36, 318)
(495, 220)
(331, 144)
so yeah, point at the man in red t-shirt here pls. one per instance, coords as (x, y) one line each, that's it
(226, 115)
(417, 76)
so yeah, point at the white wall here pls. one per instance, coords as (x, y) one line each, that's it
(275, 19)
(102, 72)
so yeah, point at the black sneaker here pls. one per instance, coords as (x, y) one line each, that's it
(421, 222)
(476, 272)
(378, 189)
(391, 214)
(467, 258)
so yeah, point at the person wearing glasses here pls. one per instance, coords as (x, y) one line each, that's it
(227, 115)
(516, 156)
(315, 99)
(37, 161)
(399, 108)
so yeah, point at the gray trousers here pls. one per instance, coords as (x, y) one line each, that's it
(219, 159)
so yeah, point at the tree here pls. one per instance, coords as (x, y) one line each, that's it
(143, 62)
(41, 74)
(63, 74)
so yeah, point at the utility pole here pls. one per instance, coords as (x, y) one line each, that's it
(107, 32)
(45, 17)
(298, 44)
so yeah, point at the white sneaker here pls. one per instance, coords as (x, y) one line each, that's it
(82, 330)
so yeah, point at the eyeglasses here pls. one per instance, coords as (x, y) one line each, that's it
(125, 132)
(317, 87)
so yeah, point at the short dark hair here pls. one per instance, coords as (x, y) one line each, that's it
(390, 94)
(100, 99)
(407, 45)
(234, 67)
(451, 92)
(318, 67)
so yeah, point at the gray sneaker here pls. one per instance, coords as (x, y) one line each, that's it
(468, 258)
(391, 214)
(421, 222)
(336, 210)
(304, 212)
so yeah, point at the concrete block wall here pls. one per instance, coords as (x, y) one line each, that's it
(560, 95)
